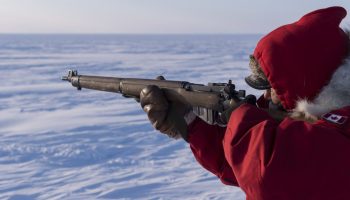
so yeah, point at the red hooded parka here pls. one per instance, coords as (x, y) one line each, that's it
(288, 160)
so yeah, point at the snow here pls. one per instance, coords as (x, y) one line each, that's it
(60, 143)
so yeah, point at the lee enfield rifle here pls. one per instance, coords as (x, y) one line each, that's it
(208, 101)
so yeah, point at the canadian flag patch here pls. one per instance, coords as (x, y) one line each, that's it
(334, 118)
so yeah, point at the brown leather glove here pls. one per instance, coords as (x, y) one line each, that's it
(167, 117)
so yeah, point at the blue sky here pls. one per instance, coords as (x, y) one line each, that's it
(155, 16)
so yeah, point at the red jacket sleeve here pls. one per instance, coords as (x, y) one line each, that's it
(271, 160)
(206, 144)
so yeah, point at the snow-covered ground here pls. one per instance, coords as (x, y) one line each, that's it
(60, 143)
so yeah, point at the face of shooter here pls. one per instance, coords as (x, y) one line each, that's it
(270, 94)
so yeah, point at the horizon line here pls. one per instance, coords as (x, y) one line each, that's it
(86, 33)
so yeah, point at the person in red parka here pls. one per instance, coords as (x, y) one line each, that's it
(305, 69)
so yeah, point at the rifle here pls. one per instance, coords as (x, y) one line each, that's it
(208, 101)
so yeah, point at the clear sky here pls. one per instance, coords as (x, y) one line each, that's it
(155, 16)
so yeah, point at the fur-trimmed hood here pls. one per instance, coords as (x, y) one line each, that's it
(306, 62)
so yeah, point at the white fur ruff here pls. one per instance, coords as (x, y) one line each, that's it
(333, 96)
